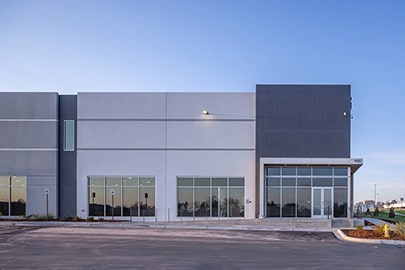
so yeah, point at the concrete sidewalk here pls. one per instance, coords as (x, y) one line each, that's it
(380, 222)
(232, 225)
(241, 225)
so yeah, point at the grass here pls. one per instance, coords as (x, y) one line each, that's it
(400, 211)
(384, 216)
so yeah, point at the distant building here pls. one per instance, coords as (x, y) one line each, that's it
(370, 204)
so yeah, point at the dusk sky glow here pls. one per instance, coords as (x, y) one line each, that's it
(222, 46)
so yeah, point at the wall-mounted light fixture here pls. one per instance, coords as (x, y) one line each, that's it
(205, 112)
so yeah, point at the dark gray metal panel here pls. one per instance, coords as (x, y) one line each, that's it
(28, 105)
(29, 163)
(303, 121)
(67, 159)
(23, 134)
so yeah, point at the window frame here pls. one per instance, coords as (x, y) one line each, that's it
(65, 135)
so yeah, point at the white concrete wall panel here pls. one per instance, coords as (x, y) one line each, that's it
(211, 134)
(119, 163)
(121, 105)
(177, 141)
(219, 105)
(121, 134)
(211, 164)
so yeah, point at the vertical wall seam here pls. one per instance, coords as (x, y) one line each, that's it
(165, 202)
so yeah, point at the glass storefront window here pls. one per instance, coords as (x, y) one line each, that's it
(289, 205)
(123, 196)
(273, 202)
(340, 203)
(13, 195)
(341, 171)
(291, 196)
(304, 182)
(4, 195)
(147, 181)
(185, 201)
(210, 197)
(147, 200)
(237, 182)
(273, 182)
(202, 201)
(130, 181)
(303, 202)
(304, 171)
(321, 171)
(273, 171)
(236, 202)
(202, 182)
(322, 182)
(113, 182)
(130, 199)
(290, 182)
(217, 182)
(113, 203)
(185, 182)
(288, 171)
(340, 182)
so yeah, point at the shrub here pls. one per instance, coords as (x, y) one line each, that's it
(392, 213)
(100, 219)
(359, 228)
(66, 219)
(90, 219)
(400, 228)
(40, 217)
(76, 218)
(378, 230)
(376, 211)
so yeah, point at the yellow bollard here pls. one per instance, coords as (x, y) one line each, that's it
(386, 231)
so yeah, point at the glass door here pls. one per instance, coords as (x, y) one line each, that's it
(219, 201)
(322, 202)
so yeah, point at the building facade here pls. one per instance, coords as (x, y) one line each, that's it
(282, 151)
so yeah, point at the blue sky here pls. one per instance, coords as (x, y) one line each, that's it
(77, 46)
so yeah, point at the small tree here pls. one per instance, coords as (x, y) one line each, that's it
(376, 211)
(392, 213)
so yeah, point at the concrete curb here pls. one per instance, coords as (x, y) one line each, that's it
(341, 236)
(127, 225)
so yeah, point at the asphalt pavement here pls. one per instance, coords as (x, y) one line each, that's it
(64, 247)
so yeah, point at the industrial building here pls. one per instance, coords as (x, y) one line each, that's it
(282, 151)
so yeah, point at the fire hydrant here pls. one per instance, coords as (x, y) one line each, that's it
(386, 231)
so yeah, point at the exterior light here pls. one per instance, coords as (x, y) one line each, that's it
(205, 112)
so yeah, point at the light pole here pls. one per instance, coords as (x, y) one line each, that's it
(375, 195)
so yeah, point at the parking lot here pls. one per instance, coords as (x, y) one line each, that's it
(134, 248)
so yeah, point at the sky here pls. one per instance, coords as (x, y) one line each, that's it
(220, 46)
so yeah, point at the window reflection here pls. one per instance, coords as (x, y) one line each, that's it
(13, 195)
(340, 203)
(289, 206)
(290, 196)
(210, 197)
(303, 202)
(123, 196)
(273, 202)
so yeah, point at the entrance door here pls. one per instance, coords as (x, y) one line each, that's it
(322, 202)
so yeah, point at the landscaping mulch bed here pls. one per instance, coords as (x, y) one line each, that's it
(370, 234)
